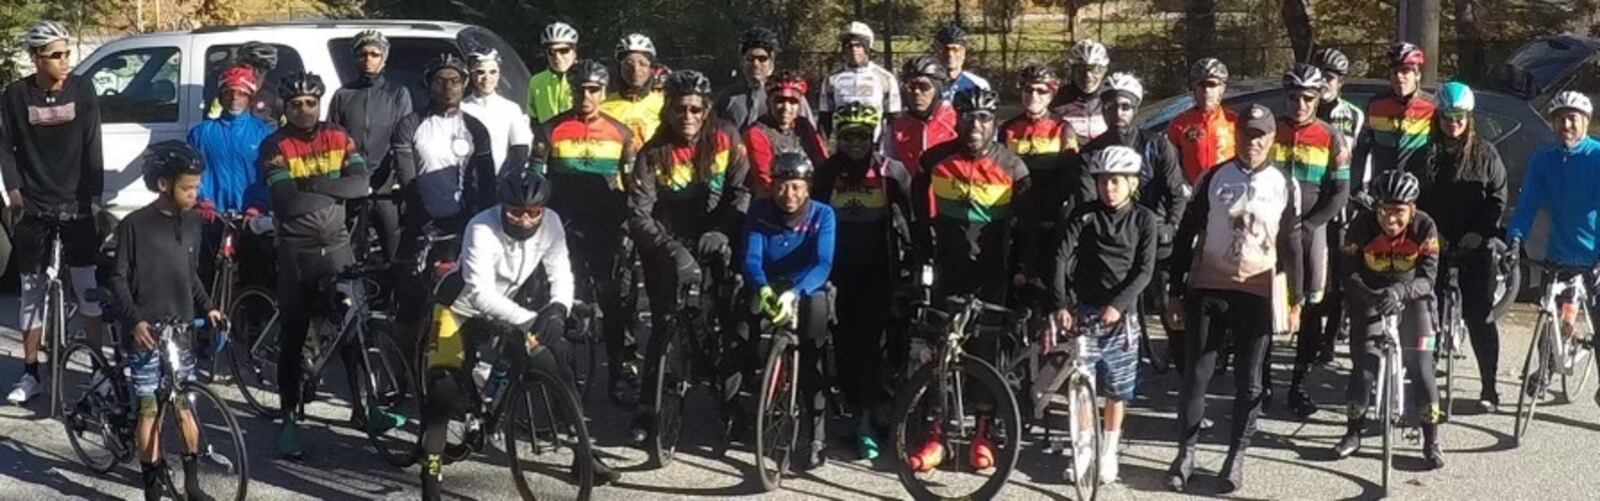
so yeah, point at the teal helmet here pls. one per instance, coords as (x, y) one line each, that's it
(1456, 97)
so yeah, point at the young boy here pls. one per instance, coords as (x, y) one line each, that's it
(1103, 262)
(157, 286)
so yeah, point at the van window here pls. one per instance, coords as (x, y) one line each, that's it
(408, 59)
(221, 57)
(138, 86)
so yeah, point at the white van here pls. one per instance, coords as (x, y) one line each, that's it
(155, 87)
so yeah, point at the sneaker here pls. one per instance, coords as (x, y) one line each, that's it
(379, 422)
(289, 445)
(868, 446)
(26, 388)
(982, 451)
(1301, 403)
(929, 456)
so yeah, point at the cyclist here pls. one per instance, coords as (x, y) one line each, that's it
(1162, 188)
(1561, 179)
(1207, 134)
(1464, 190)
(311, 169)
(1044, 142)
(870, 196)
(783, 129)
(1317, 157)
(950, 43)
(1242, 228)
(789, 252)
(1104, 261)
(260, 58)
(1079, 103)
(1335, 109)
(1398, 121)
(369, 108)
(548, 91)
(637, 103)
(155, 279)
(504, 245)
(1395, 255)
(230, 146)
(744, 101)
(587, 153)
(928, 121)
(1349, 120)
(53, 172)
(510, 136)
(861, 80)
(687, 196)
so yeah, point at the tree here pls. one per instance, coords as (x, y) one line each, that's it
(1297, 16)
(1200, 28)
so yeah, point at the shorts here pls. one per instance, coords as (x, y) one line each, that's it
(1114, 354)
(145, 372)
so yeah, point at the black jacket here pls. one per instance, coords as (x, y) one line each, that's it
(369, 108)
(1106, 257)
(1463, 198)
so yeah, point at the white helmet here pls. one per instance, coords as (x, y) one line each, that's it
(1116, 160)
(1089, 52)
(559, 32)
(636, 43)
(1571, 100)
(1126, 82)
(481, 55)
(858, 29)
(44, 32)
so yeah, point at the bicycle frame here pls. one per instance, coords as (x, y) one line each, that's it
(1392, 376)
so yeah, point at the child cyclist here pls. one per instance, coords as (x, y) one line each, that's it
(1103, 262)
(156, 286)
(1394, 255)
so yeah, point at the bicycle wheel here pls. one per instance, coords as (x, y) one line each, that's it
(582, 354)
(388, 393)
(777, 422)
(253, 351)
(97, 421)
(1573, 382)
(1085, 433)
(932, 411)
(1534, 369)
(1387, 413)
(55, 335)
(548, 443)
(674, 378)
(222, 467)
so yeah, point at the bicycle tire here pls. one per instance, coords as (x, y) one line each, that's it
(1080, 395)
(907, 411)
(55, 342)
(1508, 297)
(223, 464)
(1580, 370)
(1388, 414)
(674, 378)
(92, 421)
(779, 383)
(252, 353)
(1533, 364)
(537, 391)
(582, 355)
(387, 388)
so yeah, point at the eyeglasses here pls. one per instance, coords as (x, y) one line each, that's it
(303, 102)
(919, 86)
(530, 212)
(758, 58)
(855, 136)
(558, 51)
(690, 109)
(57, 55)
(449, 82)
(371, 54)
(485, 72)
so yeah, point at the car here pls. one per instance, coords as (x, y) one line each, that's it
(155, 87)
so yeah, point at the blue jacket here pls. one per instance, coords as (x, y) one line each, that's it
(775, 252)
(231, 145)
(1567, 184)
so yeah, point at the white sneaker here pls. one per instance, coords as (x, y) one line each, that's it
(27, 387)
(1108, 470)
(1110, 445)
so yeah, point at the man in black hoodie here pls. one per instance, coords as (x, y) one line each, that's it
(368, 108)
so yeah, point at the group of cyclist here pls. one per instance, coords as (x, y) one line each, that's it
(823, 219)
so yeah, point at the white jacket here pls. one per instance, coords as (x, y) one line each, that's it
(493, 266)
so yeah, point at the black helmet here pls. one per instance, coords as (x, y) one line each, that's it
(1303, 76)
(758, 38)
(1396, 186)
(258, 55)
(588, 71)
(972, 100)
(1330, 60)
(950, 34)
(170, 158)
(1038, 73)
(298, 84)
(924, 66)
(522, 187)
(442, 62)
(687, 82)
(791, 165)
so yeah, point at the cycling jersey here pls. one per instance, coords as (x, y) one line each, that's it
(868, 84)
(50, 145)
(549, 95)
(231, 147)
(642, 115)
(910, 136)
(1247, 223)
(308, 172)
(1565, 181)
(1408, 261)
(674, 196)
(1050, 151)
(965, 81)
(1345, 117)
(1083, 112)
(1397, 129)
(444, 164)
(1106, 258)
(1039, 141)
(586, 159)
(764, 141)
(870, 199)
(744, 102)
(966, 227)
(494, 267)
(793, 251)
(509, 133)
(1316, 157)
(369, 108)
(1204, 139)
(1463, 188)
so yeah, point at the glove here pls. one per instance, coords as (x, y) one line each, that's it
(687, 268)
(1388, 301)
(208, 211)
(1471, 241)
(712, 243)
(788, 307)
(769, 302)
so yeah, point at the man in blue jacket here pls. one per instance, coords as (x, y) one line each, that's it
(231, 147)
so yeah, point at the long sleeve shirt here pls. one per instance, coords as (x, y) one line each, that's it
(494, 266)
(1205, 139)
(445, 164)
(308, 170)
(1106, 257)
(155, 275)
(1398, 129)
(1408, 261)
(680, 191)
(50, 145)
(1317, 157)
(1242, 226)
(778, 253)
(231, 147)
(1463, 188)
(1565, 182)
(369, 108)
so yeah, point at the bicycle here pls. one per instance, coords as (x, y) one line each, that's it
(1555, 350)
(100, 422)
(57, 311)
(243, 305)
(1448, 344)
(1391, 391)
(687, 360)
(779, 408)
(943, 419)
(1059, 365)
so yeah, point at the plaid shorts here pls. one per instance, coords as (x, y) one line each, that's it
(1114, 354)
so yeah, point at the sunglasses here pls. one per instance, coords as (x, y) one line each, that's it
(56, 56)
(532, 212)
(978, 116)
(919, 86)
(371, 54)
(1038, 91)
(449, 82)
(304, 103)
(558, 51)
(592, 89)
(691, 109)
(855, 136)
(757, 58)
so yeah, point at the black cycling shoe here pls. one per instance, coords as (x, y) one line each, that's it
(814, 457)
(1266, 396)
(1351, 441)
(1301, 403)
(603, 474)
(1182, 467)
(639, 430)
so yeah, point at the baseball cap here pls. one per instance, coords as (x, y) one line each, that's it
(1257, 120)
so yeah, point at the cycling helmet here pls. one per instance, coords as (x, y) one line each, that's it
(1122, 83)
(1406, 53)
(974, 100)
(636, 43)
(1088, 52)
(1208, 69)
(1303, 77)
(258, 55)
(522, 187)
(1116, 160)
(1571, 100)
(300, 83)
(924, 66)
(791, 165)
(43, 33)
(444, 61)
(1456, 97)
(787, 83)
(950, 34)
(170, 158)
(758, 38)
(686, 83)
(239, 78)
(1331, 61)
(558, 32)
(1395, 186)
(857, 30)
(857, 115)
(479, 55)
(371, 37)
(1038, 73)
(588, 71)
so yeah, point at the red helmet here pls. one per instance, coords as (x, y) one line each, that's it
(239, 78)
(1406, 53)
(787, 83)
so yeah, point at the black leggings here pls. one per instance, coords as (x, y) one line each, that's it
(1416, 343)
(1212, 319)
(302, 297)
(450, 389)
(1476, 280)
(863, 306)
(593, 245)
